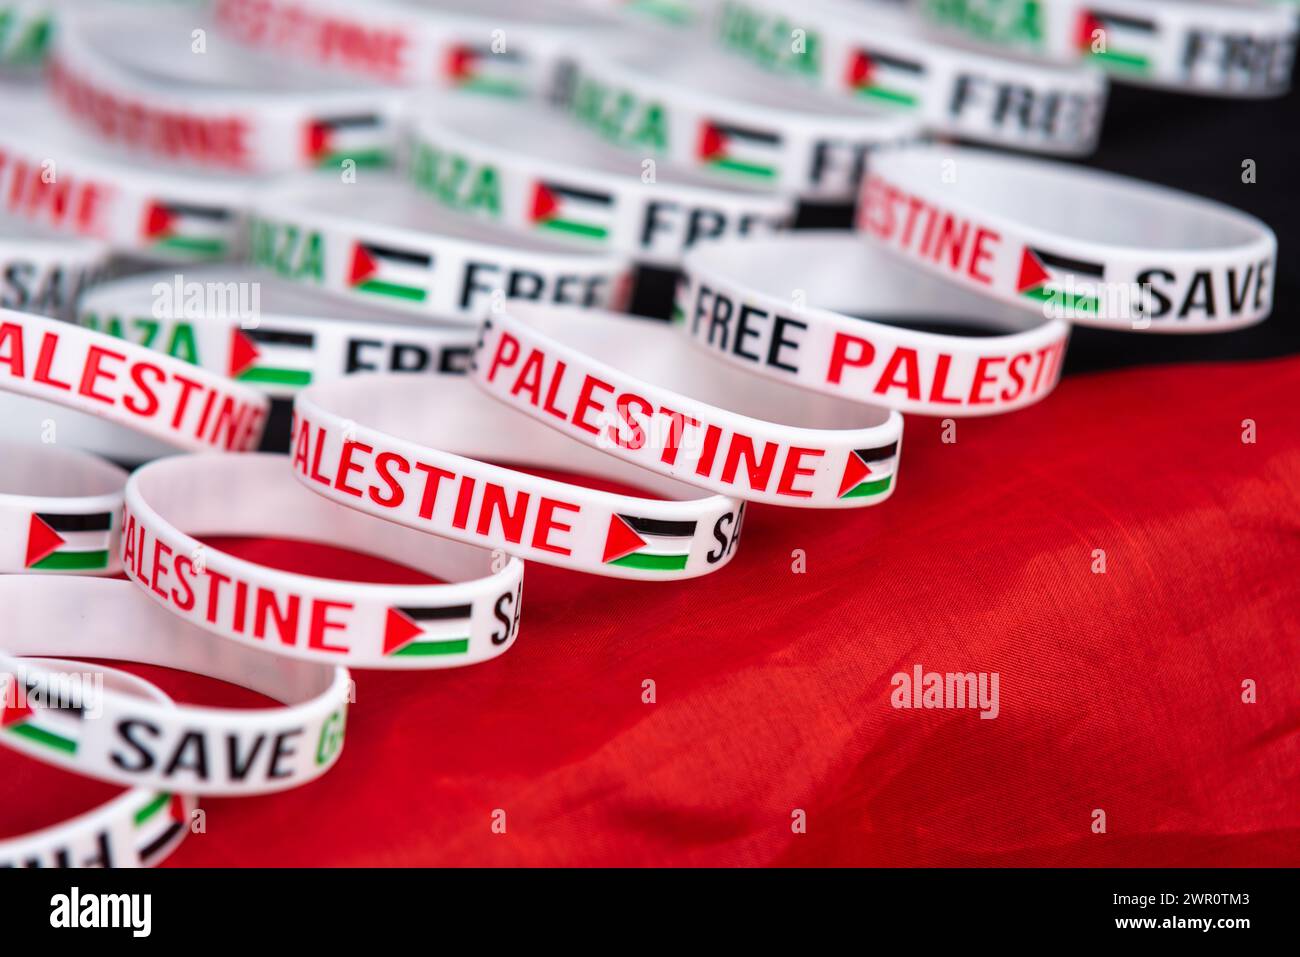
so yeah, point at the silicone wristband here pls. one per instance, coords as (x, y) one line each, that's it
(211, 751)
(1225, 48)
(1078, 242)
(745, 302)
(336, 237)
(166, 215)
(134, 78)
(31, 420)
(499, 48)
(59, 510)
(43, 273)
(737, 126)
(127, 384)
(138, 828)
(379, 444)
(472, 619)
(653, 400)
(291, 339)
(875, 54)
(506, 164)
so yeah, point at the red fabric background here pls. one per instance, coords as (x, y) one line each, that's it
(1119, 691)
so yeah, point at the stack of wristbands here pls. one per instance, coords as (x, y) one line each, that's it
(413, 226)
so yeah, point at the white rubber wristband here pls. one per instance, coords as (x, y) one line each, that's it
(814, 310)
(471, 619)
(87, 371)
(687, 107)
(634, 389)
(138, 828)
(203, 750)
(166, 215)
(876, 54)
(510, 165)
(135, 79)
(1093, 247)
(286, 339)
(381, 242)
(1225, 48)
(500, 47)
(412, 452)
(44, 273)
(60, 510)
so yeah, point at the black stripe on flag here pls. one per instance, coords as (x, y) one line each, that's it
(349, 122)
(657, 526)
(893, 62)
(95, 522)
(878, 454)
(747, 133)
(35, 689)
(1074, 265)
(586, 195)
(449, 613)
(1124, 21)
(161, 841)
(203, 212)
(423, 260)
(280, 337)
(486, 52)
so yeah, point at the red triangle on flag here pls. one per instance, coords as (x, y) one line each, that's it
(860, 69)
(855, 471)
(1089, 30)
(1032, 272)
(42, 541)
(158, 221)
(363, 265)
(176, 809)
(317, 139)
(243, 352)
(460, 62)
(621, 539)
(545, 203)
(399, 630)
(713, 142)
(20, 711)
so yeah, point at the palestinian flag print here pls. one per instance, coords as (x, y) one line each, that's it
(885, 79)
(648, 543)
(571, 211)
(158, 825)
(1042, 273)
(478, 69)
(202, 232)
(869, 471)
(55, 728)
(1116, 40)
(69, 543)
(360, 138)
(266, 356)
(737, 150)
(390, 272)
(426, 632)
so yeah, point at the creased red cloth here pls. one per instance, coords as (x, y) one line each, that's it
(1119, 691)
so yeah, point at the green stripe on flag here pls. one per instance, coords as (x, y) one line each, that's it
(152, 808)
(1127, 61)
(657, 563)
(1086, 305)
(199, 247)
(421, 649)
(493, 87)
(747, 169)
(577, 229)
(47, 738)
(366, 159)
(393, 290)
(294, 377)
(868, 488)
(893, 97)
(73, 561)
